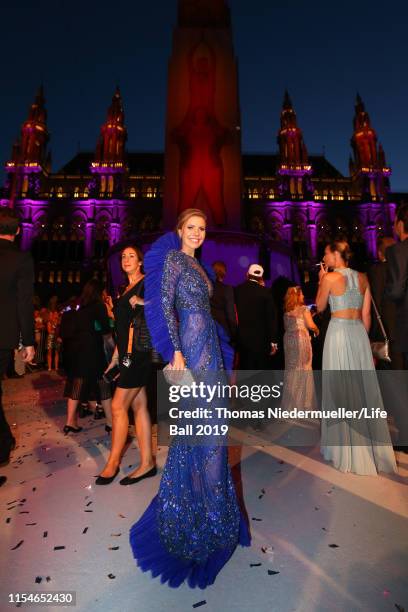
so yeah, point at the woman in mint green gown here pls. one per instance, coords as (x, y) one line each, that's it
(362, 446)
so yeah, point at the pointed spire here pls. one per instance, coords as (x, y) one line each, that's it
(359, 101)
(364, 139)
(293, 153)
(115, 111)
(37, 110)
(110, 147)
(288, 115)
(287, 102)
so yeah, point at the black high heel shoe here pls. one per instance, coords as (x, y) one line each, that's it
(128, 481)
(84, 411)
(68, 429)
(108, 428)
(99, 413)
(103, 480)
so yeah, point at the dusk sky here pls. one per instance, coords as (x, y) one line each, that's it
(322, 52)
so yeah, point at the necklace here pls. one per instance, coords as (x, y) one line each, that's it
(132, 284)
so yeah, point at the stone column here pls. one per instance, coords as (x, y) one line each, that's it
(27, 235)
(370, 237)
(312, 239)
(287, 233)
(89, 239)
(114, 232)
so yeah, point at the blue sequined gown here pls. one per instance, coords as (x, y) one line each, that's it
(192, 527)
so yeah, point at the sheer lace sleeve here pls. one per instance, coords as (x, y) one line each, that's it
(157, 320)
(171, 275)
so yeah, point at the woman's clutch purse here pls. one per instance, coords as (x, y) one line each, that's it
(177, 377)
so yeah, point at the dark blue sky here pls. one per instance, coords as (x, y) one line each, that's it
(323, 52)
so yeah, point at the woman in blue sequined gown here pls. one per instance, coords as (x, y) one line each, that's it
(192, 527)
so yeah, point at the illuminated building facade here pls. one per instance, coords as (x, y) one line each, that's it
(71, 218)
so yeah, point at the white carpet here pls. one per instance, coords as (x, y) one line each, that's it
(303, 504)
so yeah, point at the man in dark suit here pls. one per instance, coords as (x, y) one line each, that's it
(222, 302)
(257, 325)
(396, 288)
(377, 277)
(16, 309)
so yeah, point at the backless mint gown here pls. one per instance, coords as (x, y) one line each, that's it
(361, 446)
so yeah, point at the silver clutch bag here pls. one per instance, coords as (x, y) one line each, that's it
(177, 377)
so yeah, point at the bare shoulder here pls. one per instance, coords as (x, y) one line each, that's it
(363, 280)
(332, 277)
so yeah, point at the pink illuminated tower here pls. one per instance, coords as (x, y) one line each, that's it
(109, 164)
(29, 161)
(294, 168)
(368, 169)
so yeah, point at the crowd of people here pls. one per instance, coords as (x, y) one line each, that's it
(171, 309)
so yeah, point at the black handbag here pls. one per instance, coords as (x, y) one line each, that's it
(141, 336)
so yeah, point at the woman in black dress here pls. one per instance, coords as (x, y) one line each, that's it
(82, 331)
(133, 377)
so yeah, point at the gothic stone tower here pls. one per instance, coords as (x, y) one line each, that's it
(29, 161)
(109, 164)
(368, 169)
(203, 130)
(294, 168)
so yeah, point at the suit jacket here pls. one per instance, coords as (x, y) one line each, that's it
(16, 296)
(223, 308)
(377, 276)
(82, 344)
(257, 324)
(396, 289)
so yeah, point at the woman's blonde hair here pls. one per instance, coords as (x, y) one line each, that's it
(343, 249)
(293, 298)
(186, 214)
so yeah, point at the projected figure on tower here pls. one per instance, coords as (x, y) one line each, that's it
(200, 138)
